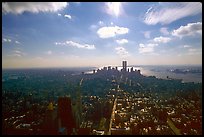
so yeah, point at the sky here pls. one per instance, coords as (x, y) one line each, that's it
(79, 34)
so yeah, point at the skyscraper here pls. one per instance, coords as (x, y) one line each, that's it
(78, 106)
(65, 114)
(124, 65)
(131, 70)
(109, 67)
(50, 123)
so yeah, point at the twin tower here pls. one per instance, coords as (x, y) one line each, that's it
(124, 66)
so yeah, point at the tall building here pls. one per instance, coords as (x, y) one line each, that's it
(65, 114)
(109, 67)
(104, 68)
(124, 65)
(131, 70)
(50, 123)
(78, 106)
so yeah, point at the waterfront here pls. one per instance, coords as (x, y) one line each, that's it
(167, 71)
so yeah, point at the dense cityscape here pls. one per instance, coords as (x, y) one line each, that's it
(101, 68)
(108, 101)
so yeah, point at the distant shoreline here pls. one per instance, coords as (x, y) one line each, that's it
(105, 65)
(159, 71)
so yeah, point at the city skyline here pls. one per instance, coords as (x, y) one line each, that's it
(61, 34)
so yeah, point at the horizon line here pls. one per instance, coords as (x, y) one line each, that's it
(101, 66)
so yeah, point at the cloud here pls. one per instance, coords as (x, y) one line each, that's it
(77, 3)
(188, 30)
(6, 40)
(107, 32)
(34, 7)
(162, 39)
(122, 52)
(93, 27)
(166, 13)
(148, 48)
(68, 16)
(59, 14)
(13, 41)
(164, 31)
(75, 44)
(114, 8)
(146, 34)
(78, 45)
(101, 23)
(17, 53)
(187, 46)
(193, 51)
(122, 41)
(17, 42)
(49, 52)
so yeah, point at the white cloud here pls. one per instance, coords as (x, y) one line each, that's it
(17, 42)
(164, 31)
(149, 10)
(193, 51)
(17, 53)
(148, 48)
(146, 34)
(122, 52)
(75, 44)
(34, 7)
(68, 16)
(59, 14)
(77, 3)
(107, 32)
(93, 27)
(166, 13)
(162, 39)
(122, 41)
(114, 8)
(49, 52)
(6, 40)
(59, 43)
(101, 23)
(78, 45)
(188, 30)
(186, 46)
